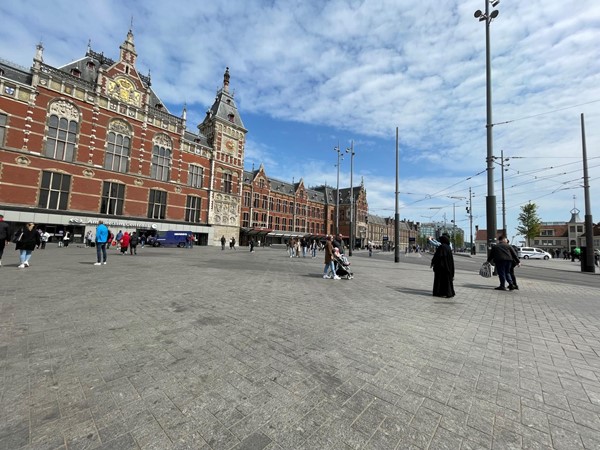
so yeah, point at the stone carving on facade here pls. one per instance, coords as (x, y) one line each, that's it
(225, 210)
(65, 109)
(163, 139)
(178, 189)
(138, 182)
(88, 173)
(23, 160)
(119, 126)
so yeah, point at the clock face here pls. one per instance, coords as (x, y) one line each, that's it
(229, 144)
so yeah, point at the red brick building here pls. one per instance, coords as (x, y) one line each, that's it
(274, 211)
(92, 140)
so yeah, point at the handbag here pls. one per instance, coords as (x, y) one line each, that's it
(17, 236)
(486, 270)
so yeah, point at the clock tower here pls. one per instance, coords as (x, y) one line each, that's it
(225, 132)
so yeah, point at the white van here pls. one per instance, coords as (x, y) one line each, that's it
(533, 253)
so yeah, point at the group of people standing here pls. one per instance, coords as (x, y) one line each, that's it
(104, 239)
(231, 243)
(503, 255)
(296, 247)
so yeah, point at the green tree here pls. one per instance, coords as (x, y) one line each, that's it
(530, 222)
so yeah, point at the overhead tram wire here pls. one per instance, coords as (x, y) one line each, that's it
(545, 113)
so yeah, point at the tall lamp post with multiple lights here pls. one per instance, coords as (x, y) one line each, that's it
(490, 200)
(351, 151)
(340, 156)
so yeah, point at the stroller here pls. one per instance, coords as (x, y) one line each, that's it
(342, 266)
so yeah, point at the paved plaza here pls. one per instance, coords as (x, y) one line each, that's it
(210, 349)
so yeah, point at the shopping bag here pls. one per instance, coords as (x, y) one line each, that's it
(486, 270)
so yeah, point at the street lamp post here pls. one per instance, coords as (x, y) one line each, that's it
(351, 151)
(490, 200)
(454, 220)
(337, 189)
(502, 161)
(470, 211)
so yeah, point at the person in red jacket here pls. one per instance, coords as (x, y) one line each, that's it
(125, 243)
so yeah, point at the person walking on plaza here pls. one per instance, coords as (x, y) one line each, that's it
(118, 238)
(514, 263)
(61, 235)
(443, 269)
(124, 243)
(88, 239)
(503, 255)
(67, 238)
(29, 239)
(133, 243)
(251, 245)
(190, 241)
(4, 236)
(329, 264)
(338, 242)
(232, 243)
(223, 240)
(102, 236)
(45, 237)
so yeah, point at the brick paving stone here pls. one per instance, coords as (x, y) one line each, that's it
(206, 349)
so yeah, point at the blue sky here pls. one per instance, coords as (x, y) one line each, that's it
(310, 73)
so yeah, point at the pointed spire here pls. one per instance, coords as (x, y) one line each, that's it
(128, 53)
(226, 77)
(184, 113)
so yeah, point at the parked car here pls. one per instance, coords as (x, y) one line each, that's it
(533, 253)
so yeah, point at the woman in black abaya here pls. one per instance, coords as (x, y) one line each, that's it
(443, 269)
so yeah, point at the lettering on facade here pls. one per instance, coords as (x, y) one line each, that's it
(112, 223)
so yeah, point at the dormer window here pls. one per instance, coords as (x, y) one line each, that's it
(91, 65)
(158, 106)
(1, 72)
(76, 72)
(231, 117)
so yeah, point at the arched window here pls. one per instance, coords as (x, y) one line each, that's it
(118, 146)
(63, 123)
(161, 158)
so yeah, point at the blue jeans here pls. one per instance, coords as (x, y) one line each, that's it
(101, 248)
(503, 269)
(328, 267)
(25, 255)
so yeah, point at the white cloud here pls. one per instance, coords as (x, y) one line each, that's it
(363, 68)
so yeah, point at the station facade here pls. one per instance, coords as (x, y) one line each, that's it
(91, 140)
